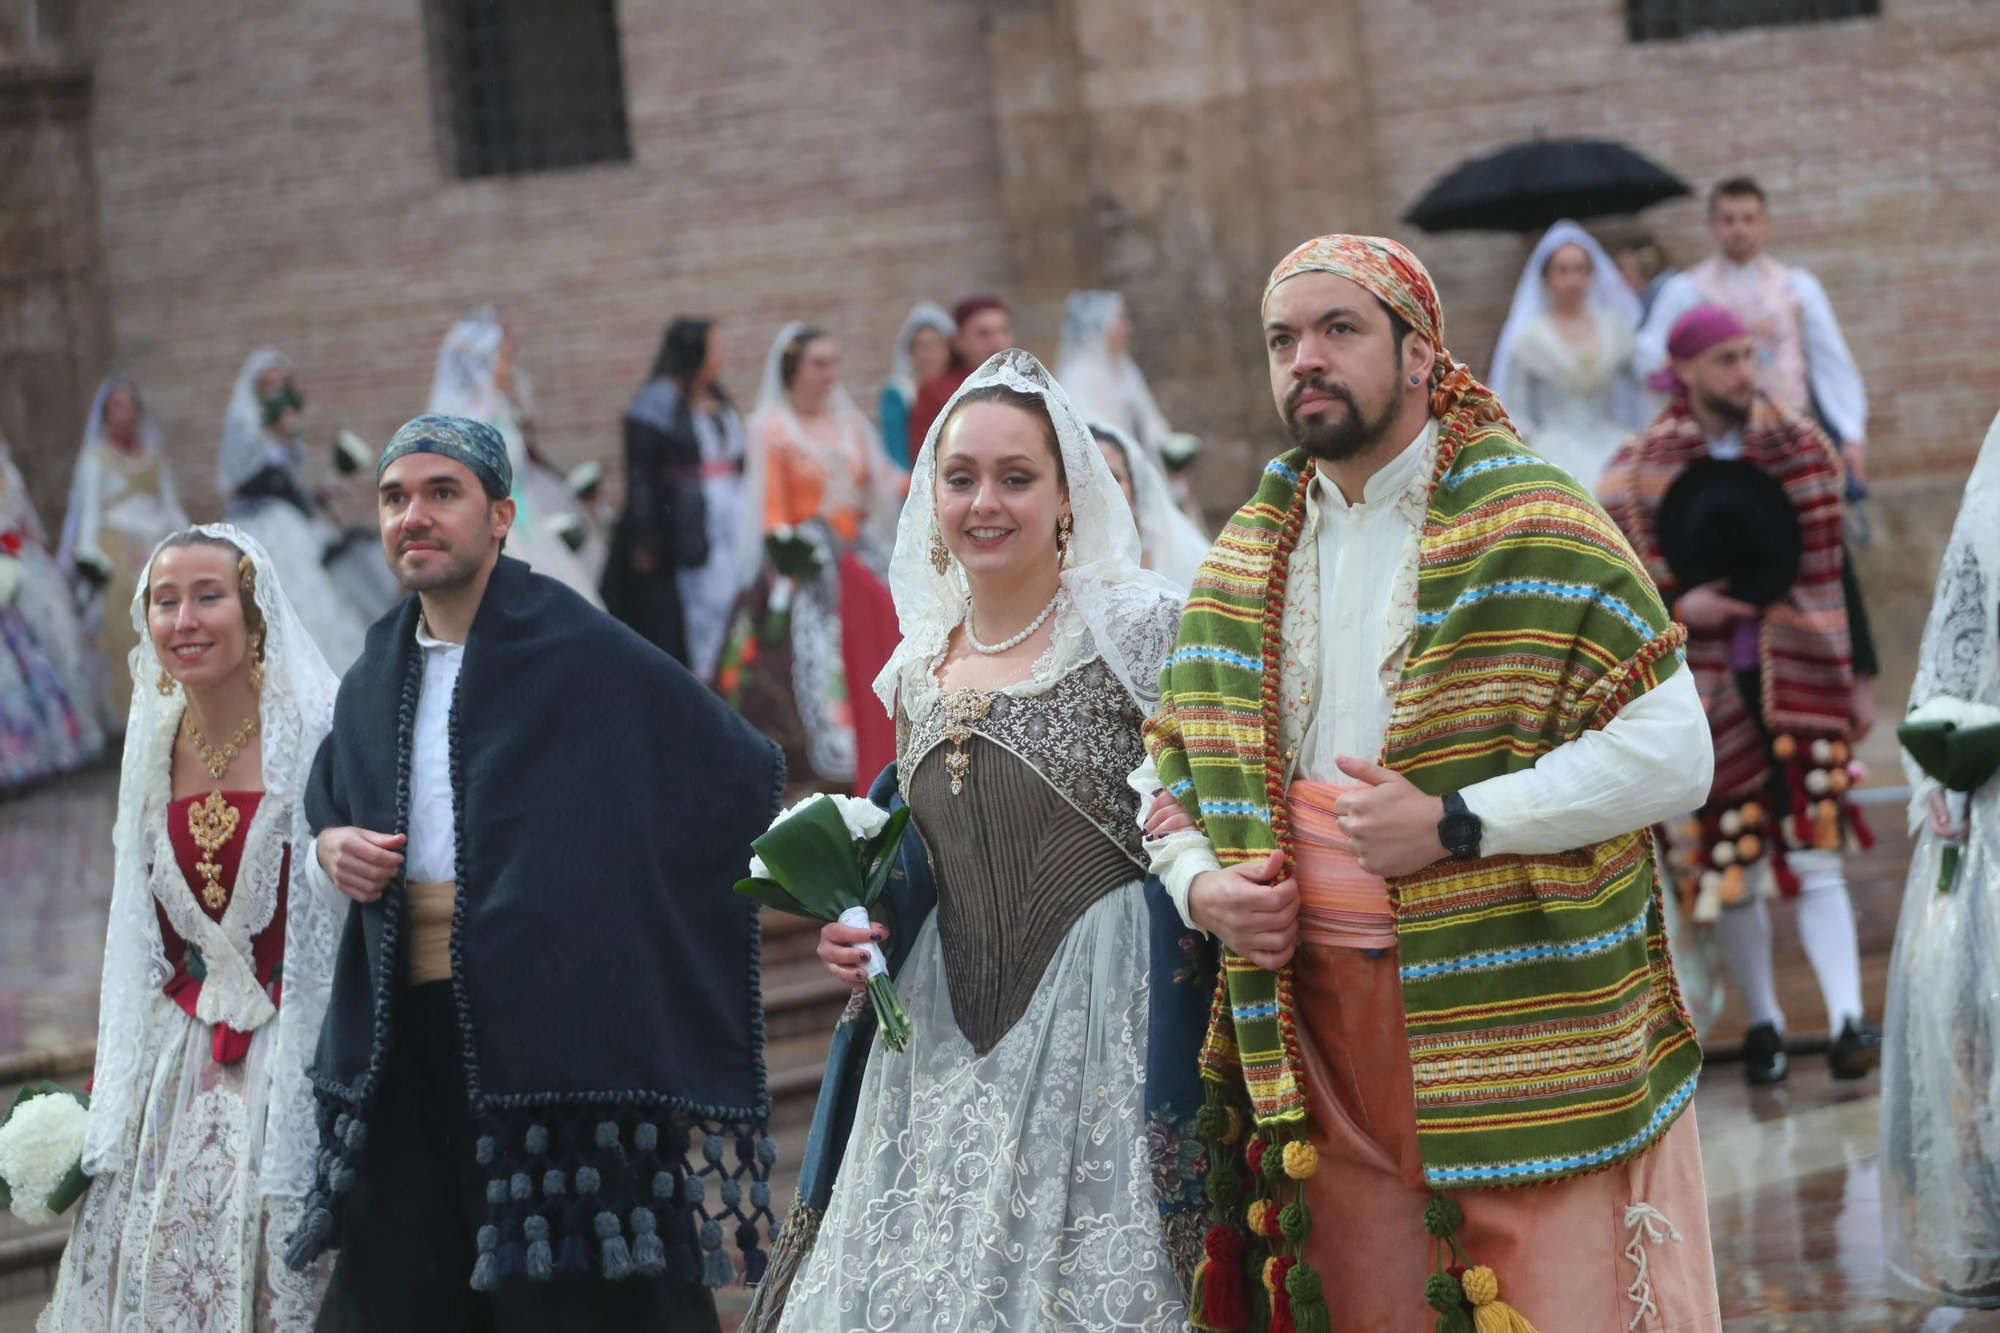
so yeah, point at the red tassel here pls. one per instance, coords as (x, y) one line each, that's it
(1216, 1303)
(1281, 1300)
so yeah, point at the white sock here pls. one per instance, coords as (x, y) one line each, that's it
(1745, 933)
(1826, 928)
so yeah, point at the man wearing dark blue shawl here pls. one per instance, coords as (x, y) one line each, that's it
(541, 1079)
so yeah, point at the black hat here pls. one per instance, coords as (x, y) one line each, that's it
(1728, 519)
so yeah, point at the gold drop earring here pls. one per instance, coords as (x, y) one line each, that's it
(165, 684)
(256, 661)
(940, 555)
(1065, 528)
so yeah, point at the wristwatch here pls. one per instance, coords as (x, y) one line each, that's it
(1460, 829)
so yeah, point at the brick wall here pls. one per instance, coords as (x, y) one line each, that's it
(270, 174)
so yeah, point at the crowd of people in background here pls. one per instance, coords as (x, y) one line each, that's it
(824, 578)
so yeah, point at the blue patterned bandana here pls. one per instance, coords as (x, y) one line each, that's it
(461, 439)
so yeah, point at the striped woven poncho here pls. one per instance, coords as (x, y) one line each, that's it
(1547, 1034)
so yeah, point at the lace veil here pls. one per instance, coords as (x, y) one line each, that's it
(247, 448)
(1531, 300)
(1113, 609)
(295, 711)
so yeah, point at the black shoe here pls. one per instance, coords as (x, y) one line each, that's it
(1764, 1055)
(1856, 1050)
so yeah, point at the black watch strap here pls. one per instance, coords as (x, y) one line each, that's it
(1460, 830)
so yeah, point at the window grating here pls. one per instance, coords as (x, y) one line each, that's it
(527, 85)
(1670, 20)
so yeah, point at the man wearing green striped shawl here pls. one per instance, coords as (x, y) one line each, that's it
(1424, 709)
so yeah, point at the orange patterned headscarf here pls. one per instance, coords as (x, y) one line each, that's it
(1400, 281)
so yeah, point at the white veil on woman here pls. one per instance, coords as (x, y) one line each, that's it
(295, 711)
(1608, 292)
(1940, 1123)
(93, 430)
(1112, 604)
(247, 448)
(1103, 385)
(923, 315)
(1174, 547)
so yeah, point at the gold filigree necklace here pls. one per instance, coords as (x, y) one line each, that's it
(213, 821)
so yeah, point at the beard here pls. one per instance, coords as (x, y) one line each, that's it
(453, 571)
(1735, 413)
(1335, 439)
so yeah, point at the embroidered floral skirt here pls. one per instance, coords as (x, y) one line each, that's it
(182, 1239)
(1009, 1190)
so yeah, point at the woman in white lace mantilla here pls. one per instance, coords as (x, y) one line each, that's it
(477, 377)
(1940, 1147)
(217, 960)
(1563, 365)
(997, 1173)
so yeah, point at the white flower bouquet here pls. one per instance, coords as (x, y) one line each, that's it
(826, 859)
(41, 1152)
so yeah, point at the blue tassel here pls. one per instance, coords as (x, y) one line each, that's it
(646, 1137)
(541, 1260)
(341, 1178)
(489, 1239)
(716, 1270)
(607, 1134)
(767, 1151)
(340, 1124)
(496, 1192)
(615, 1261)
(486, 1274)
(310, 1237)
(663, 1185)
(553, 1183)
(697, 1191)
(760, 1194)
(356, 1136)
(649, 1256)
(482, 1151)
(754, 1264)
(521, 1187)
(586, 1180)
(536, 1141)
(574, 1256)
(711, 1148)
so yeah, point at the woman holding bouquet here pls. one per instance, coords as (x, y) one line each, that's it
(995, 1172)
(202, 1137)
(816, 477)
(1941, 1044)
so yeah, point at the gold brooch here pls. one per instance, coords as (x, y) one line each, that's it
(962, 708)
(213, 823)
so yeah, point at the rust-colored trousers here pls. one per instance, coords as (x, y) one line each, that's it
(1577, 1256)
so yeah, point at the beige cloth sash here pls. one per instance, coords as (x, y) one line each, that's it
(431, 905)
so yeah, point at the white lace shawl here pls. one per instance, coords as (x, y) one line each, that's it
(294, 714)
(1113, 606)
(1960, 655)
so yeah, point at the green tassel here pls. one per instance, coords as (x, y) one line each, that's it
(1309, 1312)
(1455, 1320)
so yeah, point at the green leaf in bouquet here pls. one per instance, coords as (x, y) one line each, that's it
(1959, 758)
(811, 854)
(881, 855)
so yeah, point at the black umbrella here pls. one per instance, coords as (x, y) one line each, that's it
(1527, 186)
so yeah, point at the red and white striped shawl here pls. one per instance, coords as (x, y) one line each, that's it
(1803, 642)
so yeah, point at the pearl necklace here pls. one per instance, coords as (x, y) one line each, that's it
(973, 640)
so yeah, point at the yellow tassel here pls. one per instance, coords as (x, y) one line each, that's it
(1490, 1314)
(1301, 1160)
(1256, 1216)
(1233, 1131)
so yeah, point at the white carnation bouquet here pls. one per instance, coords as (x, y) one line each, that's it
(41, 1152)
(826, 859)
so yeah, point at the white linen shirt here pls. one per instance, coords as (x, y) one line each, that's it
(432, 851)
(1653, 761)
